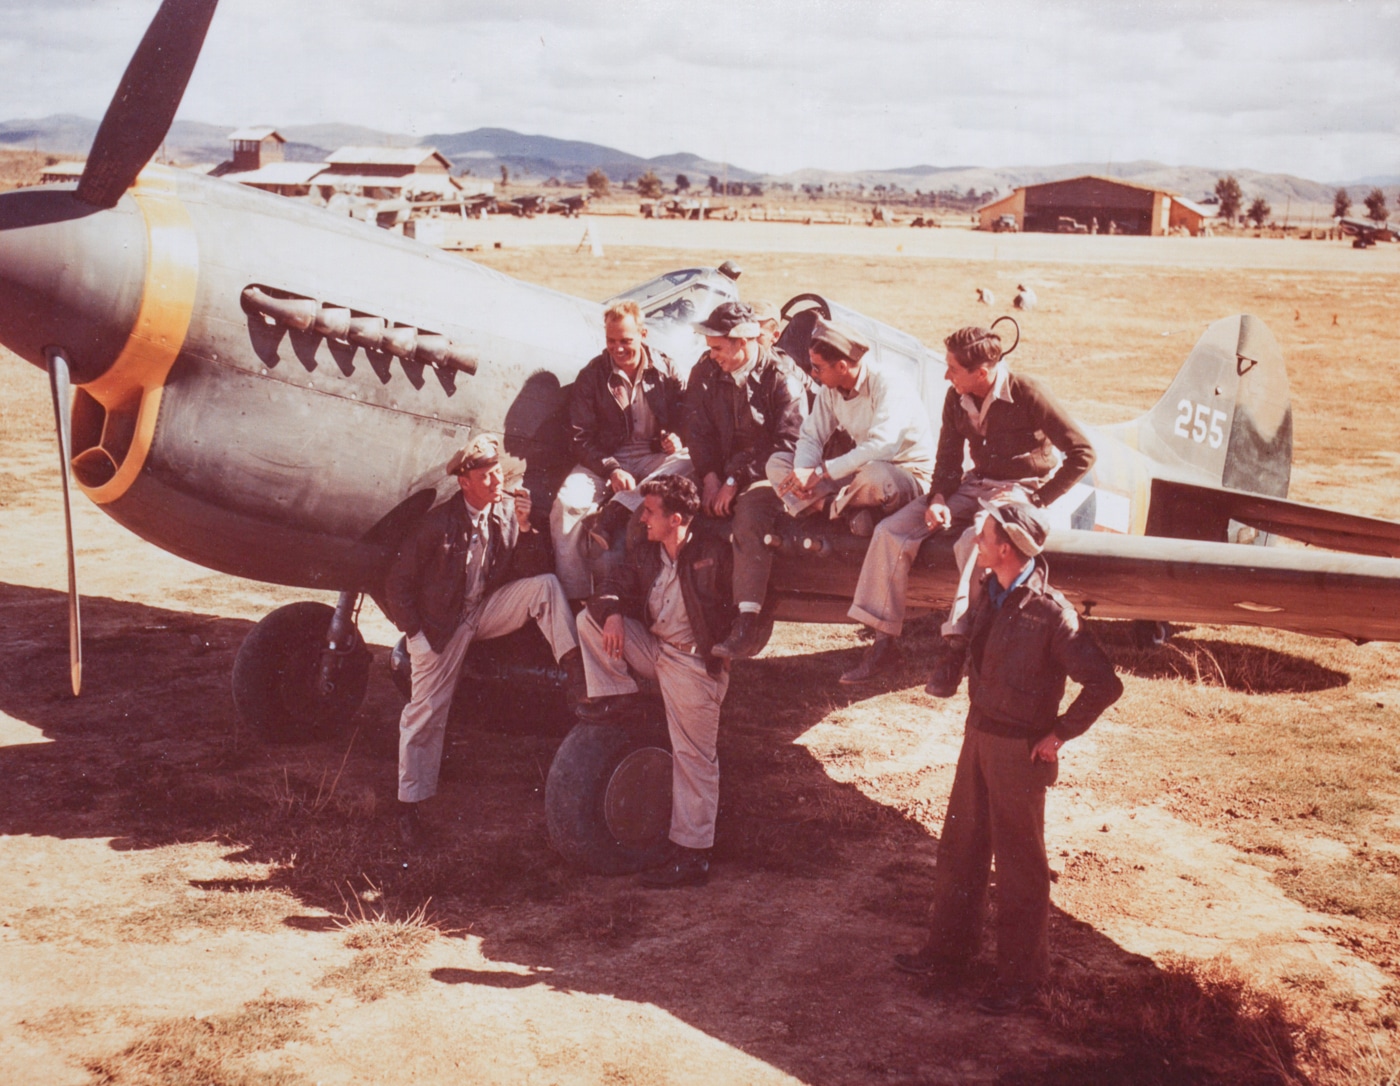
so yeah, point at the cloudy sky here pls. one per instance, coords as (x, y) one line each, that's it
(1300, 86)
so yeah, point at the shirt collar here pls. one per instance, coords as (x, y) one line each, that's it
(615, 374)
(861, 381)
(742, 374)
(997, 594)
(473, 513)
(1001, 383)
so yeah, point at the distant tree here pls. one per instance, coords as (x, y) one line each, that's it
(598, 183)
(505, 175)
(682, 182)
(1376, 210)
(1227, 191)
(1341, 203)
(755, 188)
(714, 184)
(1258, 211)
(649, 186)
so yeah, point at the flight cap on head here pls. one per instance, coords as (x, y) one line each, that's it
(844, 341)
(481, 451)
(733, 319)
(1026, 526)
(765, 311)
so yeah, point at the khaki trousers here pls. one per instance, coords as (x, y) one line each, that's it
(997, 809)
(884, 575)
(424, 721)
(693, 698)
(581, 494)
(878, 484)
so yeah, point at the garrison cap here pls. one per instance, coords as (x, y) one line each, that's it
(733, 319)
(481, 451)
(765, 311)
(845, 341)
(1026, 526)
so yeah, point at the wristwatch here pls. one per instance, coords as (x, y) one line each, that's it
(731, 481)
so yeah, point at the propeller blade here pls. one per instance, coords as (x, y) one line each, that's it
(146, 100)
(59, 388)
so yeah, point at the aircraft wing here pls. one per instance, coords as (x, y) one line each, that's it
(1279, 516)
(1323, 593)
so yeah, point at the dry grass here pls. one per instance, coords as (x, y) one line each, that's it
(1205, 1022)
(212, 1051)
(387, 947)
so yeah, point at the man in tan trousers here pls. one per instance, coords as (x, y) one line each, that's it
(661, 611)
(1011, 427)
(878, 410)
(473, 568)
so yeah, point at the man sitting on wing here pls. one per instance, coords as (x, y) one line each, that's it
(625, 415)
(744, 402)
(660, 611)
(1011, 426)
(879, 411)
(471, 569)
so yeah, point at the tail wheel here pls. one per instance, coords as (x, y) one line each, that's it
(608, 798)
(277, 681)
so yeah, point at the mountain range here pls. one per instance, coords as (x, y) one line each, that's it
(483, 151)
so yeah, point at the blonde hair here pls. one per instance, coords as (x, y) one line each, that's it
(619, 311)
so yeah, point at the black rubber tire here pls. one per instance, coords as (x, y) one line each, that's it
(277, 672)
(575, 792)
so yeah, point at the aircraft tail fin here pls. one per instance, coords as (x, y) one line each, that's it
(1226, 419)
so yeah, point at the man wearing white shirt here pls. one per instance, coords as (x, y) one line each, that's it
(879, 411)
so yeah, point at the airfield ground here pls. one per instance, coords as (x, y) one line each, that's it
(183, 905)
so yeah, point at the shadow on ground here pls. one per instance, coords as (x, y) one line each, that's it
(785, 955)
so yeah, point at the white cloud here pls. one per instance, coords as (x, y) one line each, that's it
(1305, 86)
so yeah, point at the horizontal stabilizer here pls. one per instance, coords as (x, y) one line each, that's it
(1176, 580)
(1176, 503)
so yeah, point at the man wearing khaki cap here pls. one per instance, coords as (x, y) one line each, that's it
(1026, 639)
(744, 402)
(472, 568)
(876, 414)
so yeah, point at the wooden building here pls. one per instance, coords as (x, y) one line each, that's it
(383, 173)
(1092, 204)
(254, 148)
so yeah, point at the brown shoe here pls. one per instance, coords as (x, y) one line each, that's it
(862, 523)
(947, 671)
(684, 867)
(746, 638)
(883, 655)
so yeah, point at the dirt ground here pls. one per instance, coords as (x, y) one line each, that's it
(185, 905)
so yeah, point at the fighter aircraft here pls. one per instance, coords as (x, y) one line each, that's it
(1367, 233)
(273, 391)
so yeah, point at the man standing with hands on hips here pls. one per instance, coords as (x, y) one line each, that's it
(1025, 640)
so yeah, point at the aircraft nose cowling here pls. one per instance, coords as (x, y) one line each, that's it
(71, 276)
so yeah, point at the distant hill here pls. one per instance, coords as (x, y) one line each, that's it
(484, 151)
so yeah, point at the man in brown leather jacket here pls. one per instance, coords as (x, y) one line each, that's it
(626, 410)
(744, 402)
(660, 612)
(471, 569)
(1026, 639)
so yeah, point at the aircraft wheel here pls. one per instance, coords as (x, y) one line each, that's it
(1148, 634)
(277, 676)
(608, 798)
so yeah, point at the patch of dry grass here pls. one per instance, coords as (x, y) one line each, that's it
(1204, 1022)
(212, 1051)
(386, 947)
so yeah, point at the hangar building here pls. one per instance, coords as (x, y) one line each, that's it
(1075, 204)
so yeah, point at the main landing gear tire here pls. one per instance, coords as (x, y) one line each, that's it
(277, 676)
(607, 800)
